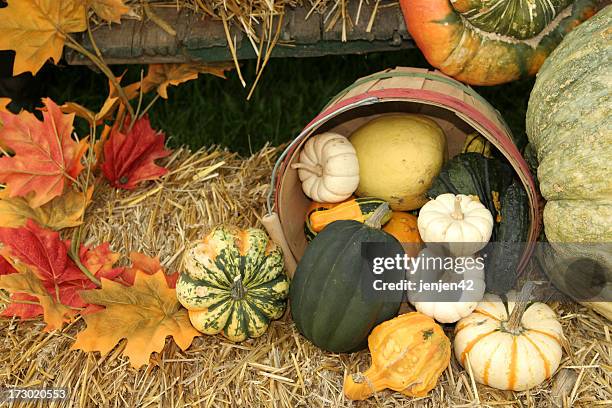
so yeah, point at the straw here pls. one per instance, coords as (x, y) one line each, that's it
(279, 369)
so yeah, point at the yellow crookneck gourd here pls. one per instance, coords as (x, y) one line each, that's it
(409, 353)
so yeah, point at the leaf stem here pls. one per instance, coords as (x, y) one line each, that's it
(98, 62)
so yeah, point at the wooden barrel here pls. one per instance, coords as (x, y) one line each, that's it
(458, 109)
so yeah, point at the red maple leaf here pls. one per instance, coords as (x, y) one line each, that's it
(46, 159)
(148, 265)
(129, 157)
(46, 255)
(22, 305)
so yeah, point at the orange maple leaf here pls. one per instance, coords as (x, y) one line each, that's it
(4, 102)
(110, 10)
(36, 30)
(46, 158)
(161, 76)
(148, 265)
(144, 314)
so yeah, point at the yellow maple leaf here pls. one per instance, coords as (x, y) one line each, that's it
(105, 112)
(36, 30)
(110, 10)
(54, 313)
(144, 314)
(64, 211)
(161, 76)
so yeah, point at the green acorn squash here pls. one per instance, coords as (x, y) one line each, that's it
(233, 283)
(570, 127)
(329, 302)
(504, 255)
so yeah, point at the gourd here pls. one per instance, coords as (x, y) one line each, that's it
(568, 125)
(328, 303)
(514, 353)
(404, 228)
(489, 42)
(457, 220)
(328, 168)
(233, 283)
(399, 156)
(504, 255)
(409, 353)
(358, 209)
(449, 306)
(313, 207)
(474, 174)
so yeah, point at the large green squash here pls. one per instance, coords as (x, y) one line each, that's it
(329, 303)
(233, 283)
(569, 123)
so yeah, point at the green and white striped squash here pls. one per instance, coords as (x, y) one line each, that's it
(570, 127)
(233, 283)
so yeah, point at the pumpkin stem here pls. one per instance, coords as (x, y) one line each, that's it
(457, 214)
(375, 220)
(238, 291)
(513, 324)
(316, 170)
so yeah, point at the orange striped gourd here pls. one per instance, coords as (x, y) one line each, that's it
(357, 209)
(505, 356)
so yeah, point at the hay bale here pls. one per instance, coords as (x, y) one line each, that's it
(279, 369)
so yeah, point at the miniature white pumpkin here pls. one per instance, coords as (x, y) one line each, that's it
(509, 356)
(459, 220)
(465, 272)
(328, 168)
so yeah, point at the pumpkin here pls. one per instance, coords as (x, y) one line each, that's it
(399, 156)
(489, 42)
(466, 272)
(568, 125)
(458, 220)
(404, 228)
(409, 353)
(358, 209)
(327, 298)
(474, 174)
(509, 354)
(504, 255)
(328, 168)
(233, 283)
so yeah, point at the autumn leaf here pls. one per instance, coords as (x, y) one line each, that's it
(4, 102)
(146, 264)
(131, 91)
(109, 10)
(46, 158)
(129, 158)
(21, 305)
(65, 211)
(161, 76)
(36, 30)
(43, 262)
(26, 282)
(144, 314)
(105, 112)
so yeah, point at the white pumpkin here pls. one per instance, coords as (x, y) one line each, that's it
(505, 357)
(466, 272)
(459, 220)
(328, 168)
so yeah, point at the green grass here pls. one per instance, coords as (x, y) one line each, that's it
(291, 92)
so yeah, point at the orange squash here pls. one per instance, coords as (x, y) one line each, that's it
(483, 42)
(357, 209)
(409, 353)
(403, 226)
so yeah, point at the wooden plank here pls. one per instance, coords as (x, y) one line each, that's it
(203, 38)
